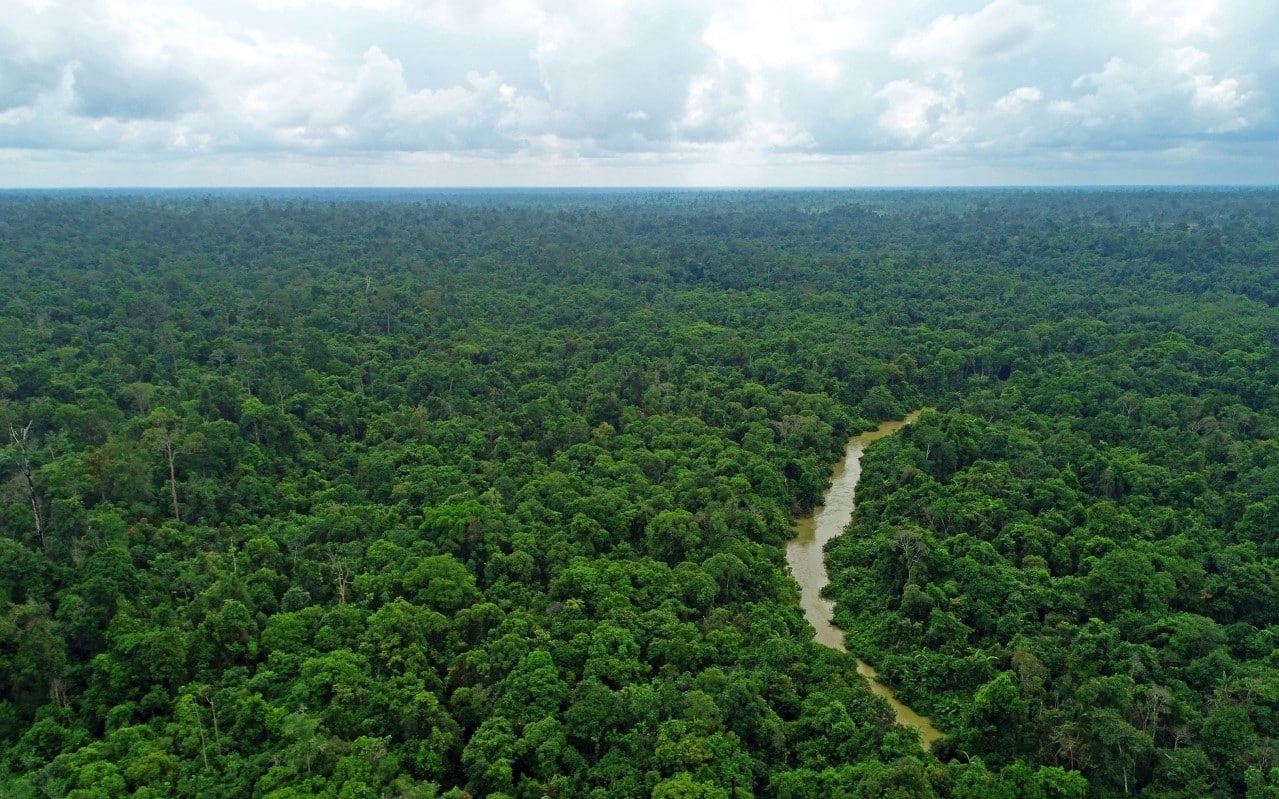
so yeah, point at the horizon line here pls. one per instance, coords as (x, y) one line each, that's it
(652, 187)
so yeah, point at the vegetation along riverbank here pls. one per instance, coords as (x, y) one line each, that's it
(397, 494)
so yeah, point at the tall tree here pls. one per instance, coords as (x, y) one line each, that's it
(24, 466)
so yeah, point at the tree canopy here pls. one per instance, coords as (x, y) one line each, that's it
(485, 494)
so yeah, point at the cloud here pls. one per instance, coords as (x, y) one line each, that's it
(1019, 99)
(107, 88)
(382, 111)
(917, 115)
(793, 77)
(686, 88)
(1130, 105)
(808, 36)
(22, 82)
(619, 74)
(27, 69)
(563, 92)
(1001, 30)
(1177, 20)
(716, 106)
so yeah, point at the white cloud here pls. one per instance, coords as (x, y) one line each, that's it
(913, 112)
(999, 31)
(682, 88)
(612, 61)
(1019, 99)
(1135, 105)
(806, 35)
(715, 108)
(1177, 20)
(918, 115)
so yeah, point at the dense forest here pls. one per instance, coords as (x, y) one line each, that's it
(485, 494)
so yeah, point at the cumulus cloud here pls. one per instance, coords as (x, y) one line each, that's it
(1001, 30)
(1018, 100)
(618, 74)
(716, 106)
(917, 114)
(1174, 98)
(1178, 20)
(680, 88)
(374, 108)
(808, 36)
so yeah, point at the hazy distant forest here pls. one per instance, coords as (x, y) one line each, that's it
(363, 495)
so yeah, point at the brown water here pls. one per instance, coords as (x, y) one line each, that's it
(807, 558)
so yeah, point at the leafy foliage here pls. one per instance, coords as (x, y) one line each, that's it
(471, 494)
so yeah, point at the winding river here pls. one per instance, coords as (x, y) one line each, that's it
(807, 558)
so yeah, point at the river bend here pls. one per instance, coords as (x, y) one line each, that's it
(807, 558)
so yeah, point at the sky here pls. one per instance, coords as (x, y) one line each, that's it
(161, 93)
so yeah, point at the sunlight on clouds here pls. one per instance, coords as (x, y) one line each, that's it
(769, 128)
(910, 115)
(760, 48)
(916, 113)
(1220, 101)
(715, 108)
(805, 34)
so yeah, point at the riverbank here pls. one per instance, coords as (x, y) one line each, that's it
(805, 553)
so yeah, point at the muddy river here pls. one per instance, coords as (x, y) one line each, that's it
(806, 556)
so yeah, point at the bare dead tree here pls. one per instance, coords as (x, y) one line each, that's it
(166, 435)
(1069, 748)
(1180, 735)
(58, 692)
(164, 441)
(1158, 699)
(32, 496)
(217, 737)
(204, 744)
(341, 575)
(912, 547)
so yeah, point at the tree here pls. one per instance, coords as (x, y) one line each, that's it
(24, 466)
(165, 433)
